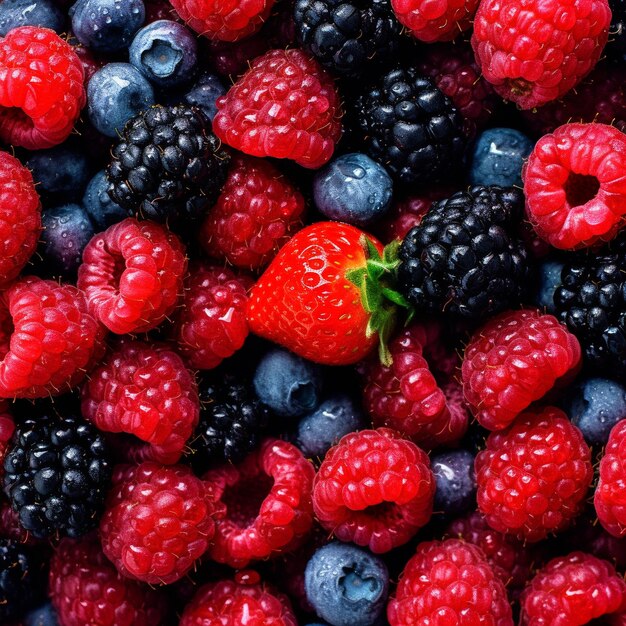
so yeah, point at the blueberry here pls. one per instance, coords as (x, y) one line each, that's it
(115, 93)
(354, 189)
(107, 25)
(595, 405)
(46, 13)
(288, 384)
(165, 52)
(204, 93)
(332, 419)
(456, 482)
(346, 585)
(548, 280)
(498, 157)
(102, 211)
(42, 616)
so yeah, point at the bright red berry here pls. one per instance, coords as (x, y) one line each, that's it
(513, 360)
(41, 88)
(375, 489)
(449, 582)
(267, 501)
(285, 106)
(534, 51)
(158, 521)
(533, 478)
(146, 391)
(132, 274)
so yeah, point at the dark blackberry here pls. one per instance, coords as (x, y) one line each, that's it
(465, 257)
(591, 300)
(411, 127)
(347, 36)
(168, 165)
(616, 46)
(57, 472)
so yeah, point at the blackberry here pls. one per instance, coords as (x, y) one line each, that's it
(347, 36)
(616, 47)
(465, 257)
(57, 473)
(168, 165)
(411, 127)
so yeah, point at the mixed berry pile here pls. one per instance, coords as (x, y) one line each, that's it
(312, 312)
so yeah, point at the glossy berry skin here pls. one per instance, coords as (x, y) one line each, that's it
(455, 481)
(548, 281)
(513, 360)
(375, 489)
(45, 615)
(158, 521)
(102, 211)
(534, 52)
(285, 106)
(43, 13)
(41, 102)
(204, 94)
(132, 275)
(533, 478)
(20, 582)
(449, 581)
(146, 391)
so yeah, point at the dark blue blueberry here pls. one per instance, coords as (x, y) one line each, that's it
(287, 383)
(332, 419)
(354, 189)
(43, 616)
(107, 25)
(45, 13)
(204, 93)
(498, 157)
(346, 585)
(165, 52)
(595, 405)
(548, 279)
(102, 211)
(115, 93)
(456, 482)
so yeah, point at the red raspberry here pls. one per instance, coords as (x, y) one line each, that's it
(285, 106)
(534, 51)
(224, 20)
(574, 185)
(145, 391)
(268, 504)
(132, 274)
(515, 359)
(41, 88)
(232, 603)
(20, 217)
(85, 588)
(533, 478)
(435, 20)
(256, 214)
(157, 522)
(374, 489)
(573, 590)
(211, 324)
(406, 396)
(449, 583)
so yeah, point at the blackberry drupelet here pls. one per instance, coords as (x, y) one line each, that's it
(465, 258)
(57, 472)
(347, 36)
(411, 127)
(168, 165)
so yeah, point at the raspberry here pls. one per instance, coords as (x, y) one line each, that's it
(85, 588)
(573, 590)
(449, 582)
(145, 391)
(41, 88)
(158, 521)
(20, 222)
(285, 106)
(48, 339)
(575, 191)
(534, 51)
(268, 504)
(513, 360)
(405, 396)
(132, 274)
(374, 489)
(222, 20)
(533, 478)
(256, 214)
(437, 20)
